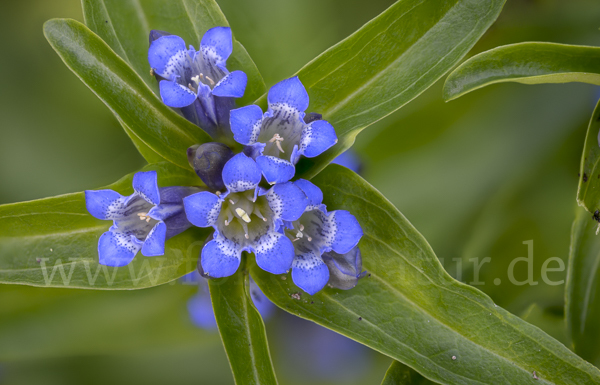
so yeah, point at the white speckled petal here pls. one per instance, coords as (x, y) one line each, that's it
(117, 249)
(202, 209)
(274, 253)
(309, 272)
(220, 257)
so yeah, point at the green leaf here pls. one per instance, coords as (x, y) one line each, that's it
(588, 192)
(582, 306)
(125, 25)
(53, 242)
(91, 322)
(410, 309)
(527, 63)
(399, 374)
(388, 62)
(123, 91)
(242, 329)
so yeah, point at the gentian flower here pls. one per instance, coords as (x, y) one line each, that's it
(315, 233)
(198, 82)
(277, 139)
(200, 305)
(344, 269)
(246, 218)
(143, 220)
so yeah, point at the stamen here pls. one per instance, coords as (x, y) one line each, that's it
(243, 215)
(277, 139)
(212, 82)
(151, 71)
(226, 222)
(245, 227)
(295, 239)
(191, 88)
(257, 212)
(144, 217)
(309, 239)
(301, 227)
(148, 219)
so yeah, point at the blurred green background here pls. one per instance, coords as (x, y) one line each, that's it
(477, 176)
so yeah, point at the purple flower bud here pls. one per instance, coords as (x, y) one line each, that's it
(208, 160)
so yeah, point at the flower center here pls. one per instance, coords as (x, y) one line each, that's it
(243, 219)
(281, 132)
(307, 233)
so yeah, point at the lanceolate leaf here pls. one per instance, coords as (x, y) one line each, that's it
(125, 25)
(123, 91)
(53, 242)
(242, 330)
(388, 62)
(527, 63)
(410, 309)
(582, 306)
(588, 192)
(399, 374)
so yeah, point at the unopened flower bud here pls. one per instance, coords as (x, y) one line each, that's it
(208, 160)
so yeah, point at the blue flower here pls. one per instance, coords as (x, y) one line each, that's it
(198, 82)
(344, 269)
(143, 220)
(277, 139)
(246, 218)
(317, 232)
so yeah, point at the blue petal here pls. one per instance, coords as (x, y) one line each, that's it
(274, 253)
(309, 272)
(217, 43)
(276, 170)
(246, 123)
(146, 185)
(290, 92)
(314, 194)
(202, 209)
(165, 211)
(117, 249)
(220, 257)
(162, 50)
(347, 231)
(102, 203)
(241, 173)
(201, 311)
(155, 241)
(232, 85)
(175, 95)
(175, 194)
(316, 138)
(287, 201)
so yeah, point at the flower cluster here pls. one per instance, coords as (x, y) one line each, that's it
(250, 199)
